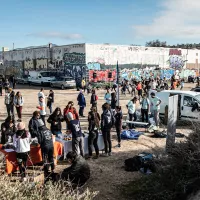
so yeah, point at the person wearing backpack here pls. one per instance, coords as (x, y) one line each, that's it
(94, 98)
(106, 125)
(94, 125)
(46, 144)
(21, 143)
(18, 102)
(145, 108)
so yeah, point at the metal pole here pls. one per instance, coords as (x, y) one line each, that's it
(117, 84)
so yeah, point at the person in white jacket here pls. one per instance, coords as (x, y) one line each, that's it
(21, 143)
(18, 102)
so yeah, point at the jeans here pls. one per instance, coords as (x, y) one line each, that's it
(107, 140)
(144, 112)
(57, 133)
(78, 144)
(22, 160)
(156, 117)
(10, 109)
(47, 157)
(93, 140)
(19, 112)
(43, 119)
(50, 108)
(81, 109)
(118, 130)
(131, 116)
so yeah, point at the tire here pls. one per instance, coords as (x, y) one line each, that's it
(62, 87)
(42, 84)
(51, 85)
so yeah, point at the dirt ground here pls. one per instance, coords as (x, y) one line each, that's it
(107, 174)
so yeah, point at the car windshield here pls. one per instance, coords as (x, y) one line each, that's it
(68, 79)
(198, 97)
(47, 74)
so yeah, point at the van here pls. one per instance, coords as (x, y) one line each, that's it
(188, 104)
(40, 78)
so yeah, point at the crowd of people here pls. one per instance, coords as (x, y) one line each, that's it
(110, 117)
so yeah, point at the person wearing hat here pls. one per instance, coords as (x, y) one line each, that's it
(77, 135)
(155, 107)
(21, 143)
(42, 108)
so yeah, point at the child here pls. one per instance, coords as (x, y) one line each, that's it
(21, 142)
(118, 124)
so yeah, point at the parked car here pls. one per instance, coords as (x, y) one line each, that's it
(196, 89)
(22, 80)
(63, 82)
(40, 78)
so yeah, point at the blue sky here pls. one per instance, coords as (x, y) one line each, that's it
(38, 22)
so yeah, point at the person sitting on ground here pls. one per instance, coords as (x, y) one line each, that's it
(79, 171)
(77, 135)
(7, 130)
(70, 108)
(55, 120)
(94, 125)
(21, 143)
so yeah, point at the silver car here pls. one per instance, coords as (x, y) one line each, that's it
(63, 82)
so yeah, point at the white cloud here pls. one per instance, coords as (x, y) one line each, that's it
(56, 35)
(177, 19)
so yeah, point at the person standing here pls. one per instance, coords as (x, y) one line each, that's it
(155, 103)
(81, 103)
(9, 102)
(6, 85)
(21, 143)
(94, 125)
(42, 108)
(1, 87)
(94, 98)
(145, 108)
(139, 89)
(118, 123)
(50, 100)
(107, 97)
(41, 94)
(18, 102)
(83, 84)
(55, 120)
(113, 102)
(77, 135)
(106, 125)
(132, 111)
(34, 124)
(182, 83)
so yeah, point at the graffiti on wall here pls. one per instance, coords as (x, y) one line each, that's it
(94, 65)
(74, 58)
(176, 60)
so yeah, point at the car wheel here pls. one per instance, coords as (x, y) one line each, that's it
(62, 87)
(42, 84)
(51, 85)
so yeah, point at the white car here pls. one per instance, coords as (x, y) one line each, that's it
(63, 82)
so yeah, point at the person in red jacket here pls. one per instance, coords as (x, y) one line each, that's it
(70, 108)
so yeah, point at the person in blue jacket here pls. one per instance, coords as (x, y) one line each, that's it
(81, 103)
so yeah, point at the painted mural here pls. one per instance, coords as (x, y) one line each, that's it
(102, 75)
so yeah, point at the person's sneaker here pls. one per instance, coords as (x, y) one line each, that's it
(119, 145)
(105, 155)
(110, 154)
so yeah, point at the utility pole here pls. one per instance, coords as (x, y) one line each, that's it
(117, 84)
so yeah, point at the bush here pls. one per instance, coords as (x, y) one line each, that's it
(31, 191)
(177, 176)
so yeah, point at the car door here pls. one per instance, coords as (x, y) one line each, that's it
(186, 109)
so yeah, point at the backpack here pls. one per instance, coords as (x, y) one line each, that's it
(132, 164)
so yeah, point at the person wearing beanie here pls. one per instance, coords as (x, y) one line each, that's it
(77, 135)
(42, 108)
(21, 143)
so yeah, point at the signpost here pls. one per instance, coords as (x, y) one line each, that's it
(171, 125)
